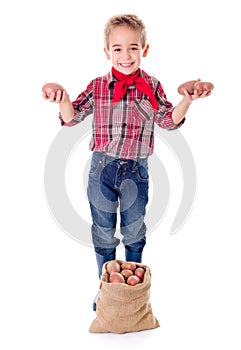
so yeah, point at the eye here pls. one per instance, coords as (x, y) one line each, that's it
(117, 50)
(134, 48)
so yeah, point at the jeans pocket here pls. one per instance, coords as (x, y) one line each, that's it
(142, 171)
(96, 164)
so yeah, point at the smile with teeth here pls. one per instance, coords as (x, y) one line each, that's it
(126, 65)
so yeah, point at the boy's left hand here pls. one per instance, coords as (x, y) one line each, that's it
(196, 95)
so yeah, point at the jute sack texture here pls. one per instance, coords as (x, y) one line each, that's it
(121, 308)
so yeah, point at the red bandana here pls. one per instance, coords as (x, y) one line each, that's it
(127, 80)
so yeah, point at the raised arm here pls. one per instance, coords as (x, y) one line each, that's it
(57, 94)
(182, 107)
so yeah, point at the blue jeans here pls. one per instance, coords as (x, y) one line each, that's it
(117, 183)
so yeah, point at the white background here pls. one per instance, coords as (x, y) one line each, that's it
(48, 280)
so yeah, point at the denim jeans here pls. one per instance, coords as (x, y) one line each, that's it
(117, 183)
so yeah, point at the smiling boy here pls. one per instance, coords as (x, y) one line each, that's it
(126, 104)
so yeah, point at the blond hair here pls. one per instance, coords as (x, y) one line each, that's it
(129, 20)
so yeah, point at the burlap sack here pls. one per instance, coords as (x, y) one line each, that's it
(121, 308)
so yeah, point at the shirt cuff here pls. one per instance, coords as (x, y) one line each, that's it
(70, 123)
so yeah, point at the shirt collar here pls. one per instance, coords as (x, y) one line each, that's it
(111, 80)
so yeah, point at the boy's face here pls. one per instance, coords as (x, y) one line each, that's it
(125, 50)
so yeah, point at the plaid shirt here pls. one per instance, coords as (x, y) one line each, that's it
(126, 130)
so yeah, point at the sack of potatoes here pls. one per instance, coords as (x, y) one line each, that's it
(123, 304)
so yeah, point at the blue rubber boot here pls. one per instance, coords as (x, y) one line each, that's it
(101, 259)
(133, 256)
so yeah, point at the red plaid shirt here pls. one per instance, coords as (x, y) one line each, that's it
(126, 130)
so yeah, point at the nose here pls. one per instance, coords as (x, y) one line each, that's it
(127, 54)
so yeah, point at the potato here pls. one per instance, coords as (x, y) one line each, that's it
(126, 273)
(133, 280)
(116, 277)
(188, 85)
(203, 86)
(198, 85)
(51, 87)
(140, 272)
(129, 265)
(113, 266)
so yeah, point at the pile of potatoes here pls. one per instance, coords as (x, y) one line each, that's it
(125, 272)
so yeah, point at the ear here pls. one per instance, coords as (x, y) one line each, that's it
(145, 51)
(107, 53)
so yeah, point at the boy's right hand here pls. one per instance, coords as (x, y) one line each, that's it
(54, 93)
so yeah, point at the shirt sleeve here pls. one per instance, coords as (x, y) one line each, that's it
(163, 117)
(83, 106)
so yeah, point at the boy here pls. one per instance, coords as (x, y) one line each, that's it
(126, 103)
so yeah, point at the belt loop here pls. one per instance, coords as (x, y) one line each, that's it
(134, 167)
(104, 159)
